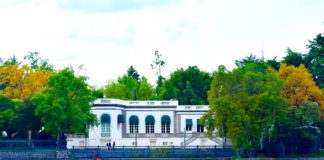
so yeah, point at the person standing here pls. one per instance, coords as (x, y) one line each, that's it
(109, 145)
(114, 144)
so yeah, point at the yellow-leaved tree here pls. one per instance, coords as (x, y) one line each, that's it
(21, 82)
(300, 86)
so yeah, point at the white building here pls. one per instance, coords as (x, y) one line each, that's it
(146, 123)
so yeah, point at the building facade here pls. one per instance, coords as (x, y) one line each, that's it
(146, 123)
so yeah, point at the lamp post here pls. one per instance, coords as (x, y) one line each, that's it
(135, 137)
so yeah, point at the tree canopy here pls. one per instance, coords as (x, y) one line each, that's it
(128, 88)
(64, 106)
(299, 86)
(314, 60)
(189, 86)
(245, 104)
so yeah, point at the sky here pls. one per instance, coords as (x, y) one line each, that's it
(107, 36)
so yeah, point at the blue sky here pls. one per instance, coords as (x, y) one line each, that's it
(108, 36)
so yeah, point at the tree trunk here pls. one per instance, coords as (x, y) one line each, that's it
(29, 132)
(58, 140)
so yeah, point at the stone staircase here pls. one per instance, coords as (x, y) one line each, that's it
(191, 139)
(220, 141)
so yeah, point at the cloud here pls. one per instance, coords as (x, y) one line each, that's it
(91, 6)
(107, 40)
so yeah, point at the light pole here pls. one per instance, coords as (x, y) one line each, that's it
(135, 137)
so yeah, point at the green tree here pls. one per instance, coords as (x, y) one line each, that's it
(314, 60)
(145, 90)
(260, 62)
(157, 65)
(245, 104)
(128, 88)
(6, 112)
(36, 62)
(189, 86)
(293, 58)
(132, 72)
(24, 110)
(248, 60)
(64, 106)
(11, 61)
(98, 93)
(125, 88)
(274, 63)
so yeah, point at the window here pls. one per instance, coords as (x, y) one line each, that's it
(149, 124)
(120, 119)
(188, 124)
(165, 124)
(164, 143)
(105, 125)
(200, 128)
(188, 127)
(133, 124)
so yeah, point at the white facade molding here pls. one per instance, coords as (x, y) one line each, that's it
(179, 133)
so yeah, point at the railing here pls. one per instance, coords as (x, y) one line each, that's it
(8, 144)
(158, 152)
(167, 135)
(154, 135)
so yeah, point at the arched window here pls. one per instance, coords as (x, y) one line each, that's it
(133, 124)
(105, 125)
(165, 123)
(149, 124)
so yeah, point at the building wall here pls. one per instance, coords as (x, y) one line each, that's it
(157, 117)
(120, 133)
(193, 116)
(115, 128)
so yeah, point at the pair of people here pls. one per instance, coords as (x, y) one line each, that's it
(109, 145)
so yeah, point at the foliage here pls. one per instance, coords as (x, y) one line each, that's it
(6, 112)
(299, 86)
(128, 87)
(145, 90)
(124, 88)
(36, 62)
(307, 114)
(24, 110)
(10, 61)
(314, 60)
(64, 107)
(98, 93)
(132, 72)
(273, 63)
(258, 63)
(189, 86)
(250, 102)
(22, 82)
(157, 65)
(293, 58)
(251, 59)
